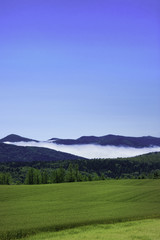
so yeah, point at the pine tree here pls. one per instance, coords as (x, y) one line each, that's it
(45, 177)
(30, 176)
(78, 175)
(61, 174)
(70, 176)
(54, 176)
(37, 177)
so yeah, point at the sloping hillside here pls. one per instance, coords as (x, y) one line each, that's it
(12, 153)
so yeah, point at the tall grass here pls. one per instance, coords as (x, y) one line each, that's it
(137, 230)
(26, 210)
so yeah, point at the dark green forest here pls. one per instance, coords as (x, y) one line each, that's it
(37, 172)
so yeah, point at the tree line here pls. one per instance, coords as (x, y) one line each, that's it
(60, 175)
(37, 172)
(5, 178)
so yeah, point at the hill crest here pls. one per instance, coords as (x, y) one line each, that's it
(16, 138)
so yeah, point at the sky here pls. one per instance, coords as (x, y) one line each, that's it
(85, 67)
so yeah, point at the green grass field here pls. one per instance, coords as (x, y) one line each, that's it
(27, 210)
(137, 230)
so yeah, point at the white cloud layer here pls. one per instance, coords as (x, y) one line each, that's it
(91, 150)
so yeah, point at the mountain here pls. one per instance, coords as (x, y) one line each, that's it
(114, 140)
(16, 138)
(12, 153)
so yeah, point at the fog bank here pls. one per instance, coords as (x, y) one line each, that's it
(91, 150)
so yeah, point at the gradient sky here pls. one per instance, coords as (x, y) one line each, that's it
(71, 68)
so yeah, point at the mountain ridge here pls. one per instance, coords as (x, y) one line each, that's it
(13, 153)
(114, 140)
(106, 140)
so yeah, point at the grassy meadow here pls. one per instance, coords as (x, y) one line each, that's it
(26, 210)
(137, 230)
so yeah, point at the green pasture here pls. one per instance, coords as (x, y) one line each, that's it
(32, 209)
(137, 230)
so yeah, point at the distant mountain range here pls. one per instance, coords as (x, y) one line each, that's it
(13, 153)
(114, 140)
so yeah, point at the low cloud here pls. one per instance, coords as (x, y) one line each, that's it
(91, 150)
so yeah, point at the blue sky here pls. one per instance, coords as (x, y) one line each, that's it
(73, 68)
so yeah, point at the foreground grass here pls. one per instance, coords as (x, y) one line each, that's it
(27, 210)
(140, 230)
